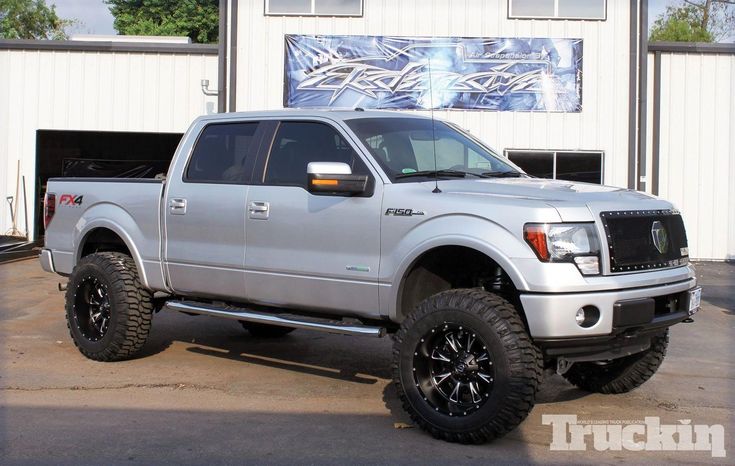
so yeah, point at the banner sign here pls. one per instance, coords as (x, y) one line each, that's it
(503, 74)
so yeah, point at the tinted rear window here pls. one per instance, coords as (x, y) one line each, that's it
(221, 153)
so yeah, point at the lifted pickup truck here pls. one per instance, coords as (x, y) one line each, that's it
(374, 223)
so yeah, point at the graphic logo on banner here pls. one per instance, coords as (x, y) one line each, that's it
(512, 74)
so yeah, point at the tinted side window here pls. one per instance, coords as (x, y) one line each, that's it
(221, 152)
(298, 143)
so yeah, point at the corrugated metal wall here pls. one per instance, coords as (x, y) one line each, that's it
(697, 147)
(602, 125)
(85, 90)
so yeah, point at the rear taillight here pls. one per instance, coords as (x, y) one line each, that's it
(49, 208)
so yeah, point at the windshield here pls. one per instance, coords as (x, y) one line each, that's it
(405, 149)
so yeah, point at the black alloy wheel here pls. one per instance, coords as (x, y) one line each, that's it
(453, 369)
(92, 309)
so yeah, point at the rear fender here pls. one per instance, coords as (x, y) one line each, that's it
(117, 220)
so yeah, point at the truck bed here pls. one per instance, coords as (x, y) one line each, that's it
(130, 207)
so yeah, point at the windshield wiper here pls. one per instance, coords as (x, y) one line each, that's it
(434, 173)
(504, 174)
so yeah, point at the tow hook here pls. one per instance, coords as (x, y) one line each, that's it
(62, 286)
(688, 320)
(563, 365)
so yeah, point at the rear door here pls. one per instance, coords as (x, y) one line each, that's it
(311, 251)
(204, 212)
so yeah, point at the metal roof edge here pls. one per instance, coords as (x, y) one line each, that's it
(112, 47)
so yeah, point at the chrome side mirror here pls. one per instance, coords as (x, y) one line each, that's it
(334, 178)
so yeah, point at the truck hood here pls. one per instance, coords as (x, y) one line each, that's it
(573, 201)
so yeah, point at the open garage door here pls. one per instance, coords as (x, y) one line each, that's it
(99, 154)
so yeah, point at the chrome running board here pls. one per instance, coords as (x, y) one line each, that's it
(282, 320)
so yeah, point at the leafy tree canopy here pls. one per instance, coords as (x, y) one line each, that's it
(30, 19)
(695, 21)
(197, 19)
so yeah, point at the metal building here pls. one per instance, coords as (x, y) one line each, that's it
(71, 106)
(691, 140)
(277, 53)
(565, 88)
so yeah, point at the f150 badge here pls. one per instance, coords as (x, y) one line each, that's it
(403, 212)
(71, 200)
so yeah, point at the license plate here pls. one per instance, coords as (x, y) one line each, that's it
(695, 300)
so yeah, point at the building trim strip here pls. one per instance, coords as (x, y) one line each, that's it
(641, 180)
(113, 47)
(222, 59)
(691, 47)
(656, 136)
(632, 93)
(232, 106)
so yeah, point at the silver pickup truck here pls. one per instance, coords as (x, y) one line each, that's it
(375, 223)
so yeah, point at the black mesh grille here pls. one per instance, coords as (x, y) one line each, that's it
(645, 240)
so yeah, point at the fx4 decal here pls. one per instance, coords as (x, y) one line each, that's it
(71, 200)
(403, 212)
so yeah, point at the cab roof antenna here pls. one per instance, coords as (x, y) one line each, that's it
(433, 130)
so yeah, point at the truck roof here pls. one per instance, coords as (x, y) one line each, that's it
(334, 114)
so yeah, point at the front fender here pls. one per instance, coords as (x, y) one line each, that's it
(473, 232)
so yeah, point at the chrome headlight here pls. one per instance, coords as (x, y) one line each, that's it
(565, 242)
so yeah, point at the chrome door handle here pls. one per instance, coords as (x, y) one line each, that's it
(177, 206)
(258, 209)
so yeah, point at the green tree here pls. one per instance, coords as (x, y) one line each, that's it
(198, 19)
(695, 21)
(31, 19)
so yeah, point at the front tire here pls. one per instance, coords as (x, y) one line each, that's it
(108, 312)
(465, 368)
(620, 375)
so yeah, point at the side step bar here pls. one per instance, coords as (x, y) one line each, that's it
(329, 326)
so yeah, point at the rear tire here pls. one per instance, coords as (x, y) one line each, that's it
(620, 375)
(265, 330)
(465, 368)
(108, 312)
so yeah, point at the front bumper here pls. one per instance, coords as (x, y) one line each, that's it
(47, 260)
(551, 316)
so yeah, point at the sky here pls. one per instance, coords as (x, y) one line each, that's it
(655, 8)
(95, 17)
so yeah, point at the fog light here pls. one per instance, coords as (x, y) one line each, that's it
(580, 317)
(587, 316)
(588, 265)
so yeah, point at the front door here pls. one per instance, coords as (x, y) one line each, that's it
(318, 252)
(205, 213)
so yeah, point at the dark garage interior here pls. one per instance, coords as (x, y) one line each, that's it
(99, 154)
